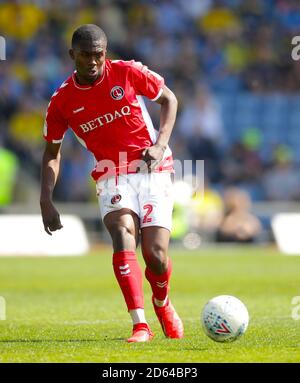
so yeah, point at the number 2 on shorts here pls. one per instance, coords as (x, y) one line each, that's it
(149, 209)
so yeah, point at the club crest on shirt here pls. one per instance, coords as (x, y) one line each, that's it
(115, 199)
(117, 92)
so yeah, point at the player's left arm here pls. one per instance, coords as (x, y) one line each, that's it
(168, 101)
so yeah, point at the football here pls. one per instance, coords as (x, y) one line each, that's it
(224, 318)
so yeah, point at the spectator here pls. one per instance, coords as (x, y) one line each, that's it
(201, 126)
(207, 209)
(8, 175)
(20, 21)
(282, 181)
(238, 224)
(201, 117)
(242, 163)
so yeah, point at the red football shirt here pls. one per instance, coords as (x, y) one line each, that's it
(109, 117)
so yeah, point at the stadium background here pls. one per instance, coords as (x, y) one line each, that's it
(229, 63)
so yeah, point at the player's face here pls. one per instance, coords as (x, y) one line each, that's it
(89, 60)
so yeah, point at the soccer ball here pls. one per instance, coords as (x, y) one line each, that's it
(224, 318)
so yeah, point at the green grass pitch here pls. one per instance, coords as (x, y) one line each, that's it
(70, 309)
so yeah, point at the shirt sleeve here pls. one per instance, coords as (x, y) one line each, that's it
(55, 125)
(146, 82)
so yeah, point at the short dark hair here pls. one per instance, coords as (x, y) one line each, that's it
(88, 33)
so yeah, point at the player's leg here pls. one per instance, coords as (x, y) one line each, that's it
(156, 217)
(123, 226)
(119, 211)
(158, 271)
(154, 243)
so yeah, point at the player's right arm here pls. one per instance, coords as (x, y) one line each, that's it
(49, 174)
(54, 129)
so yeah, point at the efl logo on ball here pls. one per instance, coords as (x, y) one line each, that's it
(224, 318)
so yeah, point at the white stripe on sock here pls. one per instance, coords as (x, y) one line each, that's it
(160, 303)
(138, 316)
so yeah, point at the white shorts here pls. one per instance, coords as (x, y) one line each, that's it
(149, 195)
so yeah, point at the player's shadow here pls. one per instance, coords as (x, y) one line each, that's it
(84, 340)
(195, 349)
(48, 340)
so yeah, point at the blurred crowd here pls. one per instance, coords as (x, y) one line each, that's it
(202, 48)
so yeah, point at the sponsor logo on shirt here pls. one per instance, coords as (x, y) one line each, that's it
(105, 119)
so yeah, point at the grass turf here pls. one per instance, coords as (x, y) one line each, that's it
(70, 309)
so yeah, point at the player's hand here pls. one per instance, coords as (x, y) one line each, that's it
(152, 156)
(50, 215)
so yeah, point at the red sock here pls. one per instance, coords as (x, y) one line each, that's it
(159, 283)
(130, 278)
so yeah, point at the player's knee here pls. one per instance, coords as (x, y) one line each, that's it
(121, 234)
(157, 259)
